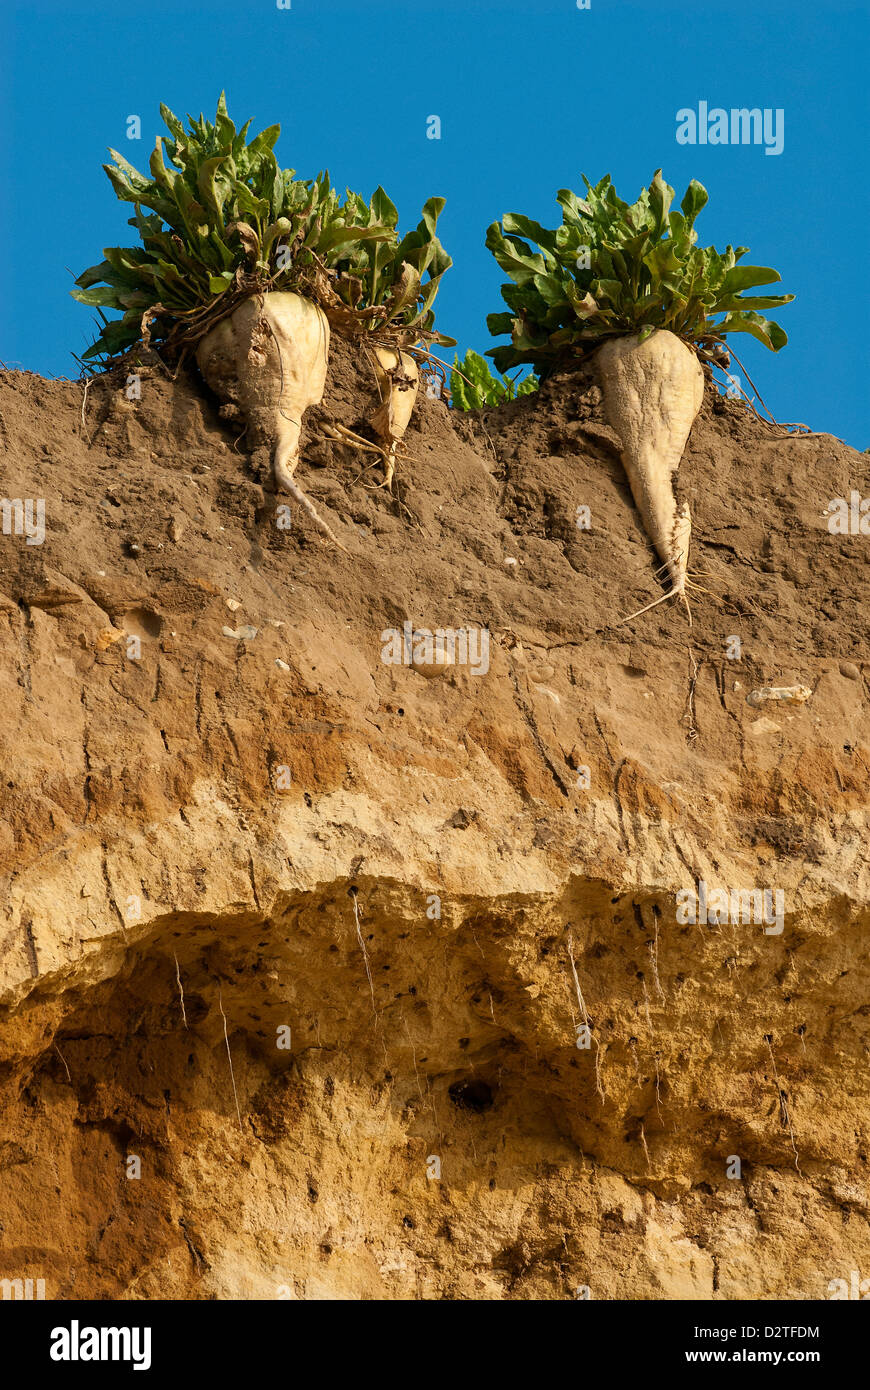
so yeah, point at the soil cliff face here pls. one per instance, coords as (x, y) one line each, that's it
(380, 976)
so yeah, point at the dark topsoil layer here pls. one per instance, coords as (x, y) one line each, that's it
(158, 493)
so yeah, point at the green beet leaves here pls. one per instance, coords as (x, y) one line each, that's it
(614, 268)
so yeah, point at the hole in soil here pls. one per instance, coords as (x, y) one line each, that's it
(471, 1095)
(142, 623)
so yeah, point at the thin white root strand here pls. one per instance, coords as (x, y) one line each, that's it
(340, 433)
(580, 1000)
(230, 1056)
(180, 988)
(388, 457)
(674, 567)
(672, 593)
(677, 592)
(84, 405)
(285, 482)
(298, 495)
(362, 946)
(599, 1085)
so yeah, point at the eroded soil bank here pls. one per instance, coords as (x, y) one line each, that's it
(226, 847)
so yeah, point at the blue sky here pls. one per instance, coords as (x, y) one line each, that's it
(529, 92)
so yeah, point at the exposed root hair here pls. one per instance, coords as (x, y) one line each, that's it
(671, 593)
(285, 481)
(678, 560)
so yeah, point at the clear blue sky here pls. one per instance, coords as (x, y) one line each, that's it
(530, 93)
